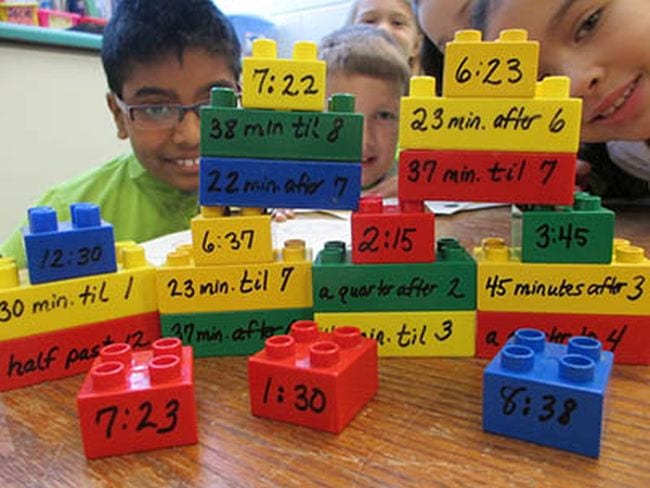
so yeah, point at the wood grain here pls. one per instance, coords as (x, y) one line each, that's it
(422, 429)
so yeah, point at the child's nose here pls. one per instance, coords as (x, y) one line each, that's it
(369, 135)
(188, 131)
(585, 78)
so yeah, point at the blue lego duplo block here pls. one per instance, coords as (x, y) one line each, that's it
(57, 250)
(550, 394)
(279, 183)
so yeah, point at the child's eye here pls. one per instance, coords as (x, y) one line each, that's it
(159, 111)
(385, 115)
(588, 25)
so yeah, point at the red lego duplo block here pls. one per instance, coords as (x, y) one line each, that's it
(402, 233)
(487, 176)
(311, 378)
(627, 336)
(132, 402)
(33, 359)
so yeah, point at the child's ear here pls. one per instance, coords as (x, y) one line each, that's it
(118, 116)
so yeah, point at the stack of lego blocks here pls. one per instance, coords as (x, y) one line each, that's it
(565, 274)
(230, 290)
(80, 296)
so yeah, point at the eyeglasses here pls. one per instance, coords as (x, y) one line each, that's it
(159, 116)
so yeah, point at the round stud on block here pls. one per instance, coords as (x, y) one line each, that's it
(324, 354)
(8, 273)
(468, 35)
(629, 254)
(168, 346)
(85, 215)
(618, 241)
(587, 346)
(187, 248)
(108, 375)
(333, 252)
(347, 336)
(133, 257)
(178, 258)
(118, 352)
(517, 358)
(305, 50)
(264, 48)
(577, 368)
(422, 86)
(252, 211)
(42, 219)
(447, 242)
(213, 211)
(411, 206)
(585, 202)
(223, 97)
(341, 102)
(294, 250)
(371, 204)
(165, 368)
(280, 347)
(304, 331)
(533, 338)
(120, 246)
(513, 35)
(495, 249)
(553, 87)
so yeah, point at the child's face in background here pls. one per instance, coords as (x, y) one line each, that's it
(394, 16)
(171, 154)
(603, 46)
(439, 19)
(378, 101)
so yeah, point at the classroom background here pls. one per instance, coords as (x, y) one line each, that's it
(54, 123)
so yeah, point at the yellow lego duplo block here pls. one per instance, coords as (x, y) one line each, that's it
(283, 84)
(441, 333)
(505, 68)
(549, 122)
(220, 239)
(183, 287)
(34, 309)
(506, 284)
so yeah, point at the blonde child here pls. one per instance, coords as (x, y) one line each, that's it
(365, 61)
(396, 17)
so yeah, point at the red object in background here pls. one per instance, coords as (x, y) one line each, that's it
(56, 19)
(311, 378)
(403, 233)
(138, 401)
(33, 359)
(487, 176)
(627, 336)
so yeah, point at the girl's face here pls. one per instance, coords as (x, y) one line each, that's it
(603, 46)
(394, 16)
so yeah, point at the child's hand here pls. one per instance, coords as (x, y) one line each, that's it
(387, 188)
(282, 214)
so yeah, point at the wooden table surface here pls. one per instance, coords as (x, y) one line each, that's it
(423, 427)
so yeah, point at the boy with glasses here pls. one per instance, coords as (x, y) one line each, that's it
(161, 60)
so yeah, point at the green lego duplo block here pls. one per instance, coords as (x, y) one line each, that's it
(449, 283)
(229, 131)
(230, 333)
(583, 233)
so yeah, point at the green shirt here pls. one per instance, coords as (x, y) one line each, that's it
(140, 206)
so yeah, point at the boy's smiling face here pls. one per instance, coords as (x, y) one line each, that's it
(378, 101)
(171, 154)
(603, 46)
